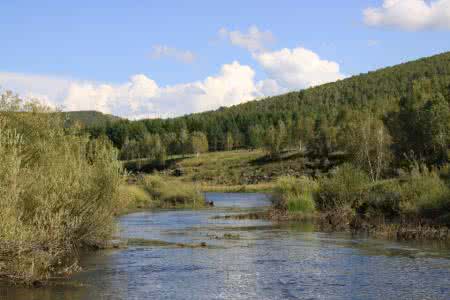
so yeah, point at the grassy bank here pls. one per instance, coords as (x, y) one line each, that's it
(235, 171)
(413, 205)
(153, 191)
(263, 187)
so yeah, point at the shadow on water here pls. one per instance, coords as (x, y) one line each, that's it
(195, 255)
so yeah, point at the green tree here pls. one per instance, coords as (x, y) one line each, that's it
(421, 126)
(435, 127)
(256, 136)
(303, 132)
(275, 139)
(199, 143)
(183, 141)
(229, 142)
(368, 142)
(325, 140)
(130, 150)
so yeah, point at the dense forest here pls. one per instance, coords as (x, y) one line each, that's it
(404, 108)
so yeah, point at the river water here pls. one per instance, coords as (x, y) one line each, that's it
(248, 259)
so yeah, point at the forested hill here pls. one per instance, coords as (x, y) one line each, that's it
(89, 118)
(326, 108)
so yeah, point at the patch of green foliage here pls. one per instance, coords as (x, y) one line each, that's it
(419, 196)
(347, 187)
(168, 193)
(134, 197)
(296, 195)
(58, 192)
(87, 118)
(424, 194)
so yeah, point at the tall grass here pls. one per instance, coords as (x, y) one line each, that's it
(133, 197)
(58, 192)
(296, 194)
(419, 196)
(172, 193)
(242, 188)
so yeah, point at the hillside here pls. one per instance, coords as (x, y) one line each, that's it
(379, 92)
(237, 170)
(90, 118)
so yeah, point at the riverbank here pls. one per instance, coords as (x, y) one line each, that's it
(414, 205)
(265, 187)
(340, 222)
(179, 254)
(154, 191)
(251, 170)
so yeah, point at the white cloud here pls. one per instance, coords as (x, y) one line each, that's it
(254, 40)
(270, 87)
(183, 56)
(410, 14)
(140, 96)
(287, 69)
(298, 68)
(373, 43)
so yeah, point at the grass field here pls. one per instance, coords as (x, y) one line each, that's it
(233, 171)
(244, 170)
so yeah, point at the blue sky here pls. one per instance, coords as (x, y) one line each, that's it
(154, 58)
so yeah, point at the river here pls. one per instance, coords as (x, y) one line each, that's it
(248, 259)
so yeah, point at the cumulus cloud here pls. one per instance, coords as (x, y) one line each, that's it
(373, 43)
(298, 68)
(140, 96)
(254, 40)
(410, 14)
(183, 56)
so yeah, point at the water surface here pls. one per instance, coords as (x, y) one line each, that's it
(249, 259)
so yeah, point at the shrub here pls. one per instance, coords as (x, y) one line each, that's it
(383, 199)
(424, 194)
(346, 188)
(444, 171)
(58, 192)
(296, 194)
(132, 197)
(418, 194)
(172, 193)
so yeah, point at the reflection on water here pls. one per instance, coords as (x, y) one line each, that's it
(263, 261)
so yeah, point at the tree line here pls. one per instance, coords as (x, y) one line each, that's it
(399, 112)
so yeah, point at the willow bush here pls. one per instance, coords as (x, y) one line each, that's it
(58, 192)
